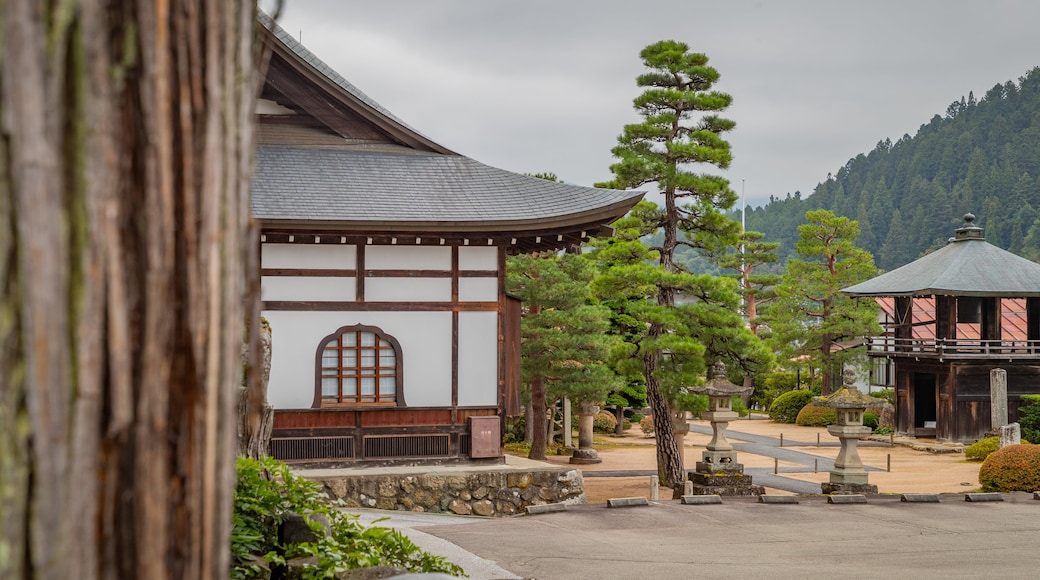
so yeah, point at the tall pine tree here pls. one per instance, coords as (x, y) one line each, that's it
(810, 315)
(680, 129)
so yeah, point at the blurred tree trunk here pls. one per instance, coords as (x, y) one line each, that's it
(125, 247)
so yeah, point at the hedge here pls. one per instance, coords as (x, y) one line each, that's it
(813, 415)
(981, 449)
(786, 407)
(1013, 468)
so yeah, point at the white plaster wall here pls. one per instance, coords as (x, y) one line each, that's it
(404, 257)
(407, 289)
(478, 358)
(425, 339)
(308, 288)
(478, 258)
(299, 256)
(478, 289)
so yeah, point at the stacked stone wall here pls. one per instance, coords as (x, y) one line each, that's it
(491, 494)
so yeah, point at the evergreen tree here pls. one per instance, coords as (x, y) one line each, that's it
(680, 128)
(756, 289)
(564, 343)
(810, 315)
(669, 345)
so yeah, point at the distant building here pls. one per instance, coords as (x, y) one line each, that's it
(383, 272)
(951, 317)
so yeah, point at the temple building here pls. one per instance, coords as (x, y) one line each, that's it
(383, 273)
(948, 329)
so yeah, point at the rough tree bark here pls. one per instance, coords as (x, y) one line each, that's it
(125, 158)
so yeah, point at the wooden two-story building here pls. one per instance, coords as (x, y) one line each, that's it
(383, 272)
(960, 292)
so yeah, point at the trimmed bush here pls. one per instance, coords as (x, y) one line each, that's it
(816, 416)
(604, 422)
(981, 449)
(871, 420)
(1013, 468)
(647, 425)
(786, 407)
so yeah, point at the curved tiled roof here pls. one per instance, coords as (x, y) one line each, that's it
(297, 184)
(967, 266)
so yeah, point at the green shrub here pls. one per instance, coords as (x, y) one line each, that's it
(626, 424)
(267, 490)
(871, 420)
(883, 430)
(886, 394)
(981, 449)
(1029, 418)
(604, 422)
(636, 417)
(646, 424)
(739, 407)
(816, 416)
(769, 386)
(786, 407)
(1013, 468)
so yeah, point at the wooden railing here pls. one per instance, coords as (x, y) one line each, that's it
(954, 348)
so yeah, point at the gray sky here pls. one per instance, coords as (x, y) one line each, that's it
(547, 85)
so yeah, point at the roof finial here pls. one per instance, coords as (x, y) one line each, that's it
(969, 231)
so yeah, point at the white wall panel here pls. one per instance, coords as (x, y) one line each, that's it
(339, 257)
(407, 289)
(478, 289)
(478, 258)
(308, 288)
(405, 257)
(425, 339)
(478, 358)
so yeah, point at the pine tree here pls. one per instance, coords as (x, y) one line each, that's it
(680, 128)
(564, 343)
(756, 289)
(810, 315)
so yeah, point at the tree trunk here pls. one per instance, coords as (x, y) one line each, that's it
(255, 415)
(670, 470)
(125, 247)
(538, 435)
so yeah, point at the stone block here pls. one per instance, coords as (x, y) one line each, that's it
(1010, 435)
(919, 498)
(719, 479)
(459, 507)
(778, 499)
(846, 498)
(974, 497)
(616, 502)
(1036, 495)
(848, 488)
(701, 499)
(483, 508)
(546, 508)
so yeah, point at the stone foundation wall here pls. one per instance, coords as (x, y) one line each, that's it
(485, 493)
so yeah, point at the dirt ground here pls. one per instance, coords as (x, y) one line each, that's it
(911, 471)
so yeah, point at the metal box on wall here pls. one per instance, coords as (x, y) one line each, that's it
(485, 437)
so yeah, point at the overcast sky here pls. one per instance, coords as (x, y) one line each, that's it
(547, 85)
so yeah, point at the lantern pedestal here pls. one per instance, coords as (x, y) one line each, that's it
(718, 473)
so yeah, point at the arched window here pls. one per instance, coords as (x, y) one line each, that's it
(358, 365)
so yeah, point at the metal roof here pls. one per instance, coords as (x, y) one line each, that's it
(414, 189)
(967, 266)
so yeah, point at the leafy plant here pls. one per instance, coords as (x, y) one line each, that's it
(738, 406)
(981, 449)
(786, 407)
(813, 415)
(267, 490)
(884, 430)
(646, 424)
(1029, 418)
(604, 422)
(1013, 468)
(871, 420)
(886, 394)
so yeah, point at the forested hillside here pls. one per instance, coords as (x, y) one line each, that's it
(982, 156)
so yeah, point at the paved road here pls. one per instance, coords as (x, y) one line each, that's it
(744, 539)
(766, 447)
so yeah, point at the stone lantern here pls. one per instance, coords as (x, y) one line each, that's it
(585, 454)
(848, 475)
(718, 471)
